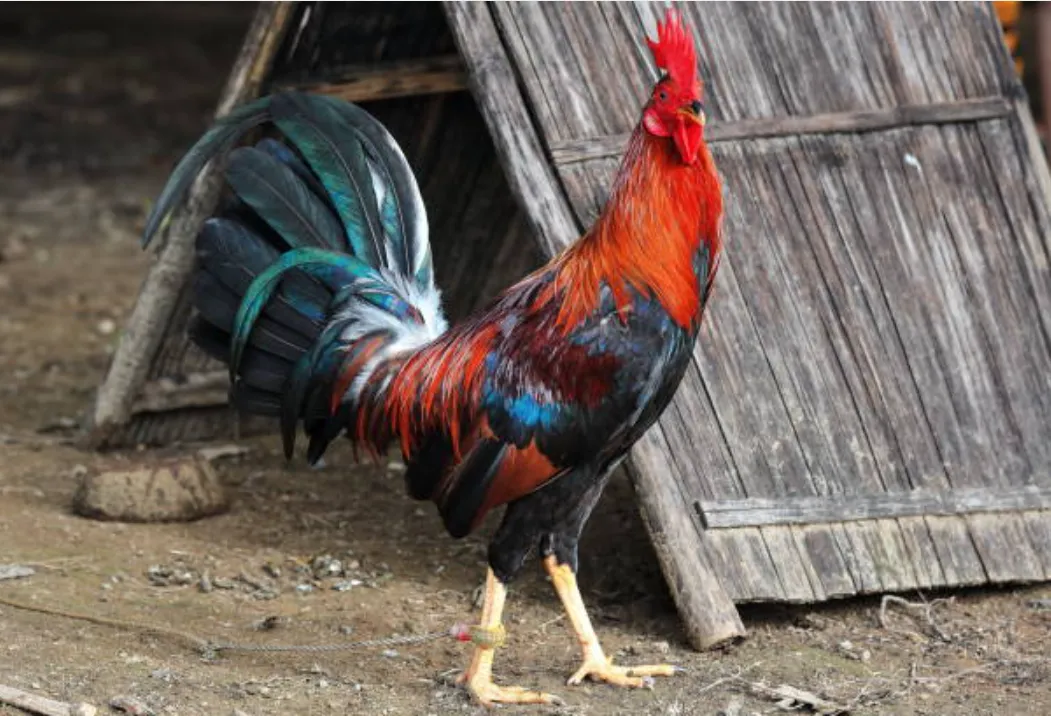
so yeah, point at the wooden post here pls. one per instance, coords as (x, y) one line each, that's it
(709, 616)
(159, 295)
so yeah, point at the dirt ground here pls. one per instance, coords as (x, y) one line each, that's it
(91, 119)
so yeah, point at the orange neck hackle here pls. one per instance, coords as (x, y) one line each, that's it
(659, 213)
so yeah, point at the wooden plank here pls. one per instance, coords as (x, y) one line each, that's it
(861, 564)
(823, 555)
(791, 566)
(893, 561)
(493, 85)
(1003, 542)
(922, 553)
(968, 110)
(957, 557)
(386, 80)
(743, 564)
(761, 511)
(1038, 528)
(161, 293)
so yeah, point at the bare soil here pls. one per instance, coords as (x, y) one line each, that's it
(96, 103)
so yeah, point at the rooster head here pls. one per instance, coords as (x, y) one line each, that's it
(675, 110)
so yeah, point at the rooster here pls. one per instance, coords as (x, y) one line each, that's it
(314, 284)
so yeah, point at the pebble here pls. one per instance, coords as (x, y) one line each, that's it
(304, 588)
(15, 571)
(163, 675)
(107, 326)
(83, 709)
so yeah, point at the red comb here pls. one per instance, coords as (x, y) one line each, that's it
(673, 51)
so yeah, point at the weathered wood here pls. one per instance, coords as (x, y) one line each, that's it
(709, 616)
(493, 85)
(760, 511)
(41, 705)
(968, 110)
(1005, 547)
(196, 390)
(957, 557)
(403, 78)
(150, 319)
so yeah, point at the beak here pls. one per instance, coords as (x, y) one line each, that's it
(691, 114)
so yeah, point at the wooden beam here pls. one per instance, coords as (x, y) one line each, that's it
(766, 511)
(159, 296)
(197, 390)
(972, 110)
(363, 83)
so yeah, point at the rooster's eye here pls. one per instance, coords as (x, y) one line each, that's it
(663, 96)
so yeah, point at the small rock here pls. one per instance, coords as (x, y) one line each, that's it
(173, 491)
(866, 655)
(220, 583)
(163, 675)
(662, 647)
(272, 570)
(131, 705)
(346, 630)
(106, 326)
(83, 709)
(15, 571)
(164, 576)
(346, 585)
(390, 653)
(205, 584)
(269, 623)
(304, 588)
(1039, 604)
(326, 566)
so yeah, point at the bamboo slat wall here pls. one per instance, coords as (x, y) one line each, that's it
(870, 404)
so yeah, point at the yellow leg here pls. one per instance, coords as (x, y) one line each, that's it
(596, 665)
(479, 675)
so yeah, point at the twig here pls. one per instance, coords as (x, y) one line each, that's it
(727, 679)
(927, 608)
(788, 697)
(43, 706)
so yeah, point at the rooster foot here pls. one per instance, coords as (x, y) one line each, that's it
(487, 693)
(600, 668)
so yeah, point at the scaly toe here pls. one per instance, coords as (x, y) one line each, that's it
(635, 677)
(487, 693)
